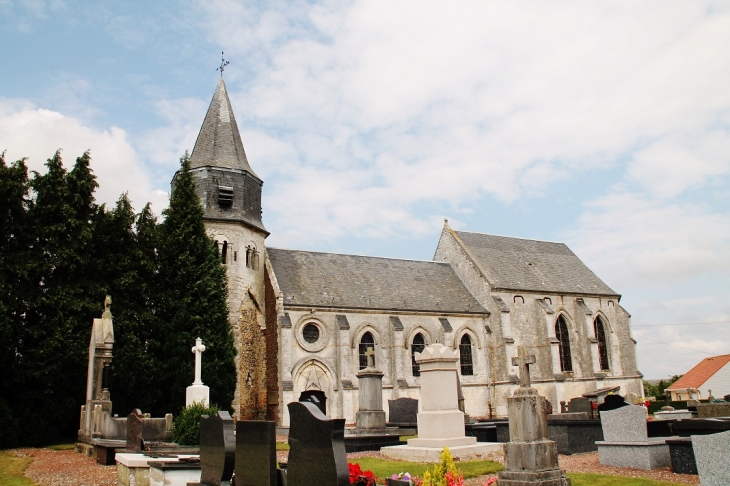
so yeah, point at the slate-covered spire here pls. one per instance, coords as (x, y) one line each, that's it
(219, 143)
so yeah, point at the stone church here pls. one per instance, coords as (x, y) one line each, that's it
(303, 320)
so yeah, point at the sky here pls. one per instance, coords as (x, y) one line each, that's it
(603, 125)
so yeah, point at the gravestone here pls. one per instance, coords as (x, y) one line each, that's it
(101, 345)
(580, 405)
(134, 431)
(316, 397)
(370, 417)
(217, 449)
(626, 442)
(403, 411)
(711, 410)
(682, 455)
(631, 398)
(612, 402)
(316, 448)
(197, 392)
(529, 457)
(711, 456)
(256, 453)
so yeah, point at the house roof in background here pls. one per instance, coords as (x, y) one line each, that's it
(698, 375)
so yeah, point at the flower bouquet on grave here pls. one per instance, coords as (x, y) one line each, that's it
(359, 477)
(402, 479)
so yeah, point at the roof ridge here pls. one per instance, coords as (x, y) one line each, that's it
(360, 256)
(513, 237)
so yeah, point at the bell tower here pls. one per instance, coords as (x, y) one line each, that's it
(230, 192)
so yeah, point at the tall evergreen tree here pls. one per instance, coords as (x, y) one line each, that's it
(15, 287)
(192, 301)
(53, 354)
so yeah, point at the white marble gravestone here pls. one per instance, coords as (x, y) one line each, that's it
(197, 392)
(440, 422)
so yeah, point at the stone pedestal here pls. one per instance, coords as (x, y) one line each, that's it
(197, 393)
(440, 422)
(370, 417)
(530, 458)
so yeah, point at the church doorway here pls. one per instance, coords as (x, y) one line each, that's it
(317, 397)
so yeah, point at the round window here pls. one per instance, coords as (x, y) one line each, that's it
(311, 333)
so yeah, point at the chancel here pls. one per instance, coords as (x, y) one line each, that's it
(305, 320)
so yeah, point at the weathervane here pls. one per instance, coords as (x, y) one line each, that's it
(223, 65)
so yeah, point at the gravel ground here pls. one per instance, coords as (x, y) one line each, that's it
(69, 468)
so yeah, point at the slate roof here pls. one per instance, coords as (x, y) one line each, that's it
(698, 375)
(361, 282)
(219, 143)
(530, 265)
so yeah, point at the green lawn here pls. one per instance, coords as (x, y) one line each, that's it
(12, 469)
(583, 479)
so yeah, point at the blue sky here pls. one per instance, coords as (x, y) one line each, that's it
(605, 125)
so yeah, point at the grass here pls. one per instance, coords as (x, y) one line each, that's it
(384, 469)
(584, 479)
(12, 469)
(62, 447)
(282, 446)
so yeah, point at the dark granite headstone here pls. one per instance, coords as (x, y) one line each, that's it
(690, 427)
(316, 448)
(575, 436)
(612, 402)
(403, 411)
(580, 404)
(255, 453)
(134, 431)
(316, 397)
(217, 449)
(682, 455)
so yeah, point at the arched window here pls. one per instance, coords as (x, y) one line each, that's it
(600, 332)
(467, 365)
(561, 332)
(416, 347)
(366, 341)
(224, 252)
(215, 245)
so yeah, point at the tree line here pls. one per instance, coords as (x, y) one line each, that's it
(61, 253)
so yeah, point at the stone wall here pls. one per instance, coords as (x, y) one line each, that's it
(272, 349)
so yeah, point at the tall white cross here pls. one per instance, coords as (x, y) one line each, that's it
(198, 350)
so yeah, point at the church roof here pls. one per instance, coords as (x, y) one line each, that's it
(219, 143)
(361, 282)
(531, 265)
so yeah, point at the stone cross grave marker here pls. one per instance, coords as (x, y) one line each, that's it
(198, 351)
(370, 355)
(523, 361)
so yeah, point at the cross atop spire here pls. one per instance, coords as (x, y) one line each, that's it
(223, 65)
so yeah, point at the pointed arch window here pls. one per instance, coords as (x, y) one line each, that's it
(366, 341)
(417, 346)
(465, 358)
(600, 331)
(561, 332)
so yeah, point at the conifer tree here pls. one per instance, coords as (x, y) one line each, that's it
(15, 240)
(53, 352)
(192, 302)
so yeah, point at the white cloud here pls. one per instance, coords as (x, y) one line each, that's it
(36, 133)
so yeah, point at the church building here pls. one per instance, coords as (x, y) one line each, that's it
(304, 322)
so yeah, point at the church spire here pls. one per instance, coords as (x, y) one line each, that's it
(219, 144)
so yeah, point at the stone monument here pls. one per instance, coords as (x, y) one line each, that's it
(529, 457)
(370, 417)
(217, 450)
(440, 422)
(626, 442)
(197, 392)
(100, 356)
